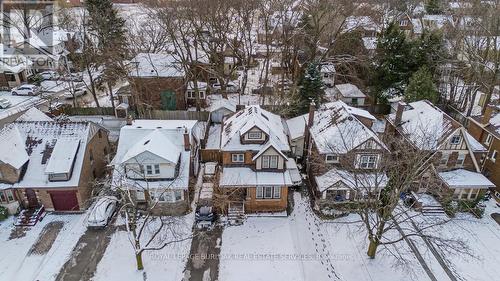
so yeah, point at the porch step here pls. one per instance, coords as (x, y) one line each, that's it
(433, 210)
(236, 213)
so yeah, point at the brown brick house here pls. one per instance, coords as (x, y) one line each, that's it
(53, 163)
(454, 153)
(157, 82)
(343, 154)
(255, 161)
(486, 130)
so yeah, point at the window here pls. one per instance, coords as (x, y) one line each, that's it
(444, 159)
(332, 158)
(254, 135)
(238, 158)
(91, 156)
(269, 161)
(456, 139)
(494, 156)
(6, 196)
(190, 95)
(10, 195)
(268, 192)
(465, 194)
(488, 139)
(354, 101)
(178, 195)
(152, 169)
(157, 169)
(368, 161)
(461, 159)
(3, 198)
(149, 169)
(473, 195)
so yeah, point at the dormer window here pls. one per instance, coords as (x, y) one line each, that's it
(456, 140)
(332, 158)
(254, 135)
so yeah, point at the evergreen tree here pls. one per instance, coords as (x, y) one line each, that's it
(393, 61)
(311, 89)
(421, 86)
(433, 7)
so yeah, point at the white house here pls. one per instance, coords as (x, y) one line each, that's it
(154, 160)
(221, 108)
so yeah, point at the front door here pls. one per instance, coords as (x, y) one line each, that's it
(168, 100)
(31, 196)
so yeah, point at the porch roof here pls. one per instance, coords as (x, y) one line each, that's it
(350, 180)
(461, 178)
(246, 177)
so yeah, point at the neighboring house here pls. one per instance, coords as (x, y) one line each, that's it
(155, 160)
(52, 163)
(157, 82)
(348, 93)
(14, 71)
(486, 129)
(221, 108)
(256, 168)
(452, 151)
(296, 132)
(343, 154)
(191, 93)
(15, 106)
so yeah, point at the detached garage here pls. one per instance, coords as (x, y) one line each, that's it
(64, 200)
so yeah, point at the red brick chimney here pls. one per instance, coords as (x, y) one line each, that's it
(187, 145)
(490, 110)
(399, 113)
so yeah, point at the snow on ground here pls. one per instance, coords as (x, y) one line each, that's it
(302, 247)
(166, 264)
(482, 236)
(214, 135)
(16, 264)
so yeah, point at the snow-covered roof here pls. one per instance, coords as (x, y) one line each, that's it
(327, 68)
(40, 139)
(19, 104)
(155, 65)
(364, 22)
(248, 118)
(296, 126)
(461, 178)
(350, 91)
(34, 114)
(425, 125)
(370, 43)
(357, 181)
(12, 150)
(266, 147)
(475, 146)
(439, 20)
(156, 143)
(337, 130)
(63, 156)
(243, 177)
(222, 103)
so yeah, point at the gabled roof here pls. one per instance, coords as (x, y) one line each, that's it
(34, 114)
(12, 149)
(156, 143)
(248, 118)
(350, 91)
(337, 130)
(425, 125)
(222, 103)
(266, 147)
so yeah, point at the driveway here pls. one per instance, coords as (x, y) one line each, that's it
(203, 262)
(86, 255)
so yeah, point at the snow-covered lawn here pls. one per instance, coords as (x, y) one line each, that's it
(17, 264)
(302, 247)
(118, 262)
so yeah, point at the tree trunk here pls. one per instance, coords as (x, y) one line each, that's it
(138, 258)
(111, 98)
(372, 249)
(92, 87)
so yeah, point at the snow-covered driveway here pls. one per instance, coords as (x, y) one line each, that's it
(16, 261)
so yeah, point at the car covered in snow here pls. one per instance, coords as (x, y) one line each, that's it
(49, 75)
(26, 90)
(79, 90)
(101, 212)
(204, 216)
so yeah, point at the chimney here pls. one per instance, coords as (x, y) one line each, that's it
(129, 120)
(312, 108)
(489, 110)
(399, 113)
(187, 145)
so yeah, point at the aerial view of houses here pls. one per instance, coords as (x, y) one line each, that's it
(248, 140)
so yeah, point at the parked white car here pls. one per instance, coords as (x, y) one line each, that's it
(49, 75)
(4, 103)
(80, 90)
(26, 90)
(101, 212)
(230, 87)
